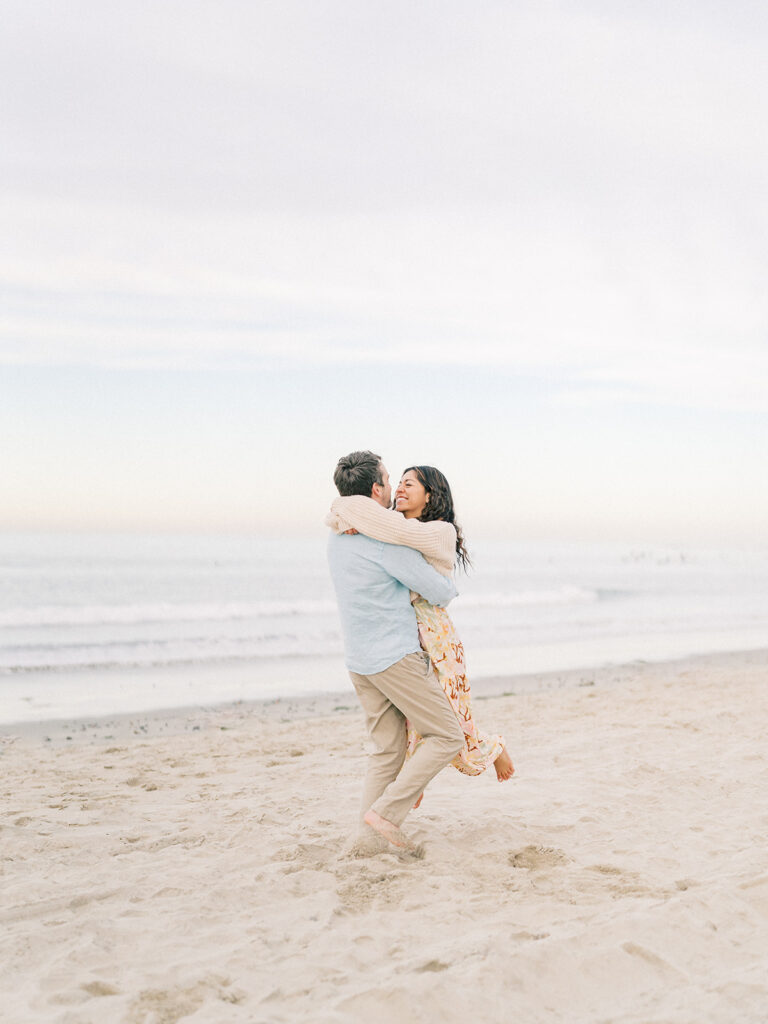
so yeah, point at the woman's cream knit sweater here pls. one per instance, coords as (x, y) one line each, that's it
(436, 541)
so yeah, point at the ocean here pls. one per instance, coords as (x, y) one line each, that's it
(101, 624)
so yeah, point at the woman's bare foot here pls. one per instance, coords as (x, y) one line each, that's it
(503, 765)
(418, 801)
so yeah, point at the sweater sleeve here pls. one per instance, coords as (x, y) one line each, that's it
(436, 540)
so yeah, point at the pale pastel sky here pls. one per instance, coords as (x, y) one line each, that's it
(524, 242)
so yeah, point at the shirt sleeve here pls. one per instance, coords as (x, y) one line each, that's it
(435, 540)
(412, 570)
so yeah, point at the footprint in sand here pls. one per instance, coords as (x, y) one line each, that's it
(534, 858)
(432, 967)
(100, 988)
(619, 882)
(169, 1005)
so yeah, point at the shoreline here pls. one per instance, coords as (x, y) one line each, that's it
(77, 692)
(222, 715)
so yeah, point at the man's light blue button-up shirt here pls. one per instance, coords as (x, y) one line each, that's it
(373, 581)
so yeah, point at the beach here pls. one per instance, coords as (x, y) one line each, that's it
(202, 864)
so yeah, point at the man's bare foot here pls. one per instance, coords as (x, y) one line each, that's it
(390, 832)
(418, 801)
(503, 765)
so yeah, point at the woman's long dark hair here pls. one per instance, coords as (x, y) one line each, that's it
(440, 506)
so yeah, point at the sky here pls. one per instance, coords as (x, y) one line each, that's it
(524, 242)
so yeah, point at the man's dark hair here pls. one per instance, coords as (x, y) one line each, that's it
(357, 472)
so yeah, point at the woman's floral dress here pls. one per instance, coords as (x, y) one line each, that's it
(439, 640)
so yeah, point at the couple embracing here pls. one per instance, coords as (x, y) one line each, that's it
(392, 570)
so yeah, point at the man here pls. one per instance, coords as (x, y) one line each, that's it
(391, 674)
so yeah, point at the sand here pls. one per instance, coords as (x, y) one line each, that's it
(201, 866)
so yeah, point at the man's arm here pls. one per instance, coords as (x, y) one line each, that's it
(412, 570)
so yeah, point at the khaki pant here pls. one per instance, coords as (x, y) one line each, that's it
(408, 689)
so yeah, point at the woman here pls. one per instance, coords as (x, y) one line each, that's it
(425, 520)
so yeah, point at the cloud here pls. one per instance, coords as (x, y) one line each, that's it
(95, 285)
(344, 106)
(572, 189)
